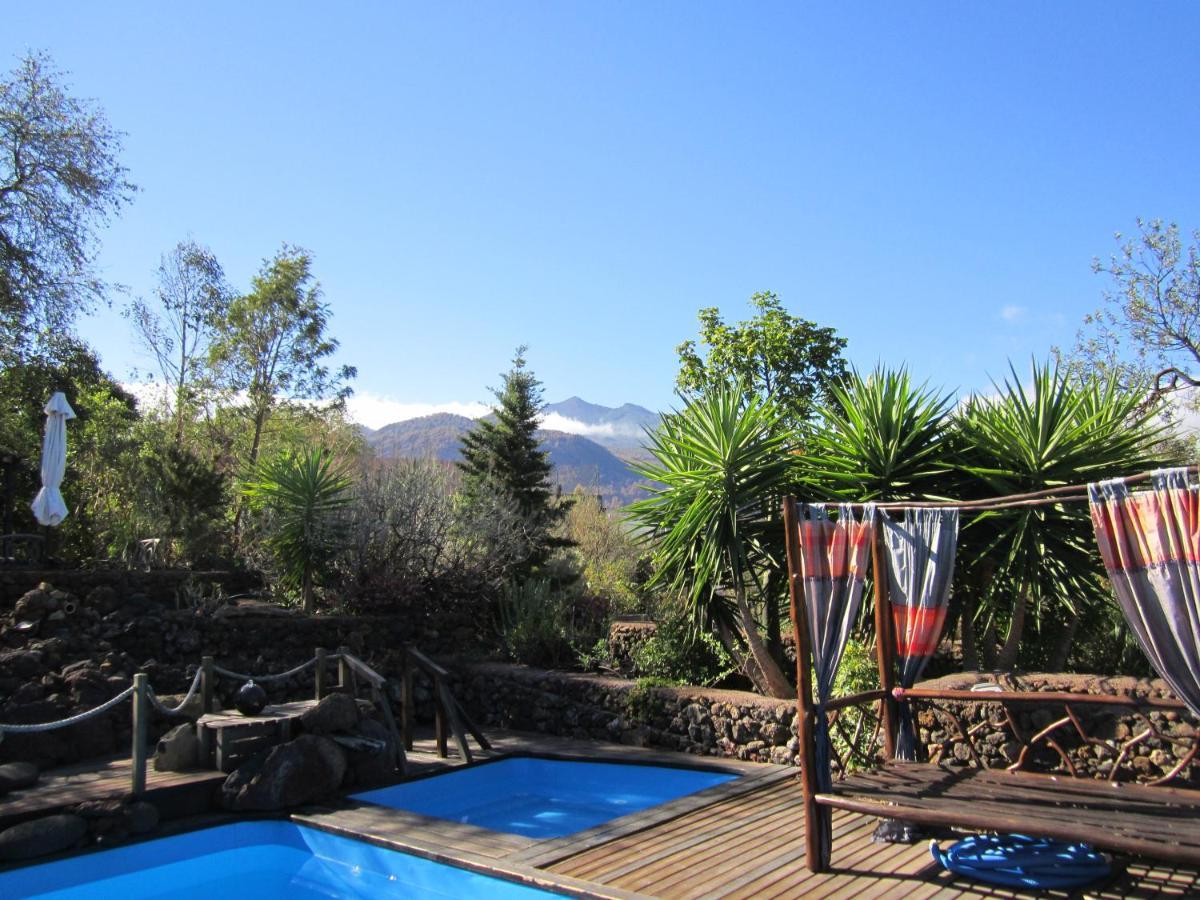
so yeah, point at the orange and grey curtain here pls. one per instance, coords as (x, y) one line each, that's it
(1150, 542)
(920, 556)
(833, 560)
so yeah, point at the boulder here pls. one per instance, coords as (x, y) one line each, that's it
(17, 775)
(292, 774)
(39, 837)
(369, 767)
(178, 750)
(143, 817)
(337, 712)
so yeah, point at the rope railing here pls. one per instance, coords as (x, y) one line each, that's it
(350, 669)
(270, 679)
(35, 728)
(182, 705)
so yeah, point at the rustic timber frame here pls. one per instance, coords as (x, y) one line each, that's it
(1148, 820)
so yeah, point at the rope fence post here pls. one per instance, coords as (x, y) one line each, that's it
(320, 679)
(141, 711)
(206, 683)
(407, 713)
(343, 669)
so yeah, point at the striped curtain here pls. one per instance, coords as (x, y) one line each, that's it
(920, 555)
(833, 560)
(1150, 542)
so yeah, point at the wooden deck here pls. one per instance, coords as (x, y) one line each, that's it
(743, 839)
(175, 793)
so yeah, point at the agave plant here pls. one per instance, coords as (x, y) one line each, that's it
(721, 466)
(303, 495)
(881, 437)
(1042, 560)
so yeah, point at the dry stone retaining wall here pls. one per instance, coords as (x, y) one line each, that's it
(710, 722)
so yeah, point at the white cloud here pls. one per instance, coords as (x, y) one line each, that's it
(557, 422)
(375, 411)
(1014, 314)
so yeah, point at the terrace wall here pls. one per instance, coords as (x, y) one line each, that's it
(708, 722)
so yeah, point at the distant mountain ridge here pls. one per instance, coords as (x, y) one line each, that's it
(584, 461)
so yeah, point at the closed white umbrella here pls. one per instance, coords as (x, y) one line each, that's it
(48, 505)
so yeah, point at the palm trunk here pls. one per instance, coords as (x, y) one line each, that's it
(773, 679)
(1007, 660)
(1062, 649)
(306, 591)
(970, 653)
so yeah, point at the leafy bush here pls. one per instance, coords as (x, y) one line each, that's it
(681, 654)
(534, 624)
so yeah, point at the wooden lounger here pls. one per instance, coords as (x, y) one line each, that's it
(1162, 822)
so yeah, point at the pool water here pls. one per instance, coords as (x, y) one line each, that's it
(253, 859)
(543, 798)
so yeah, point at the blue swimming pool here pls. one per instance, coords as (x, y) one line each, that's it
(543, 798)
(261, 860)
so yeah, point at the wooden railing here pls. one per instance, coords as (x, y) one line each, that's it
(856, 728)
(1063, 733)
(447, 711)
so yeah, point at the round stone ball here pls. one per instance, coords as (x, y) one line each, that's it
(250, 699)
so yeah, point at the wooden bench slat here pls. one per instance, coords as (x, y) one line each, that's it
(1138, 819)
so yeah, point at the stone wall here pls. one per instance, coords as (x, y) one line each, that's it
(161, 585)
(700, 721)
(61, 654)
(746, 726)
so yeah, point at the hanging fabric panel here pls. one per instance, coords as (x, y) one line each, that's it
(920, 556)
(1150, 542)
(833, 560)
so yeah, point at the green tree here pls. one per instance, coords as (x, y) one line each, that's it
(720, 470)
(1148, 331)
(272, 347)
(504, 457)
(774, 354)
(302, 496)
(192, 298)
(881, 437)
(59, 182)
(1040, 562)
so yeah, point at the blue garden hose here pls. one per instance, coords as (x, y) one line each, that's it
(1017, 860)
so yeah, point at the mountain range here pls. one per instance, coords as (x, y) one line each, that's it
(587, 444)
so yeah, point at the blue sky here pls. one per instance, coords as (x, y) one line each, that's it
(932, 180)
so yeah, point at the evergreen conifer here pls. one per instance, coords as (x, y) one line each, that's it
(503, 457)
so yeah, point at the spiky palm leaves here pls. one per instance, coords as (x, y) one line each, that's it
(303, 495)
(1050, 433)
(722, 465)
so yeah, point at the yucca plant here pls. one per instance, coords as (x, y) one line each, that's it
(721, 467)
(302, 494)
(1041, 561)
(881, 437)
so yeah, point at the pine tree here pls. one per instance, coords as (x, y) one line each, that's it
(504, 457)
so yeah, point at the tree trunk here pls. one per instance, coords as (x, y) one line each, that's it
(260, 420)
(1062, 649)
(774, 680)
(737, 652)
(310, 605)
(1007, 660)
(970, 653)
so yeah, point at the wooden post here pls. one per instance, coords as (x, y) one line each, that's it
(141, 712)
(320, 678)
(206, 683)
(439, 726)
(343, 670)
(407, 714)
(884, 644)
(804, 703)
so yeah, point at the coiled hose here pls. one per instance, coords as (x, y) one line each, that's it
(1017, 860)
